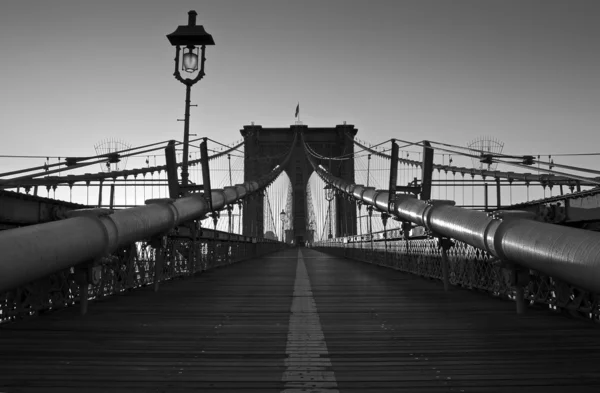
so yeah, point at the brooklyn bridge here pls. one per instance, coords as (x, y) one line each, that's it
(298, 259)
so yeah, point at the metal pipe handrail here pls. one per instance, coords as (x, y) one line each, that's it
(570, 254)
(35, 251)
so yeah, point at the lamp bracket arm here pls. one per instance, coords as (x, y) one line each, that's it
(191, 82)
(177, 76)
(188, 81)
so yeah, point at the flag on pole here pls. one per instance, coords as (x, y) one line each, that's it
(297, 110)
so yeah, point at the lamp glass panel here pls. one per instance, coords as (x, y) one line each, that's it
(190, 62)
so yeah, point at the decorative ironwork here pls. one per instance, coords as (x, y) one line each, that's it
(130, 268)
(469, 268)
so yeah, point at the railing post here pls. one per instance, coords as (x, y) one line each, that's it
(86, 274)
(206, 187)
(370, 210)
(498, 194)
(240, 215)
(520, 299)
(171, 161)
(427, 171)
(393, 184)
(406, 227)
(172, 263)
(384, 220)
(445, 244)
(100, 193)
(82, 274)
(360, 223)
(518, 279)
(112, 195)
(192, 250)
(485, 197)
(230, 223)
(215, 217)
(159, 245)
(83, 297)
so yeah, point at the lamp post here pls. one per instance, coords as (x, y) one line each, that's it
(190, 37)
(282, 216)
(329, 198)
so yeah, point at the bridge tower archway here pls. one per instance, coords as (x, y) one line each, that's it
(265, 148)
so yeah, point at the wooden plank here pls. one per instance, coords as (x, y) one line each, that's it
(387, 330)
(227, 329)
(224, 329)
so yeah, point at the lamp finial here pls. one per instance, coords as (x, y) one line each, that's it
(192, 18)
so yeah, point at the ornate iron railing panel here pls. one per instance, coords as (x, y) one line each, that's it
(512, 237)
(127, 269)
(469, 268)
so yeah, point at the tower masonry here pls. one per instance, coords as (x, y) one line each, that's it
(264, 149)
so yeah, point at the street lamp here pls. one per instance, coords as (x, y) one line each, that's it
(190, 37)
(282, 216)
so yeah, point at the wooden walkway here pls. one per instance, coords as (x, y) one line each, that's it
(315, 323)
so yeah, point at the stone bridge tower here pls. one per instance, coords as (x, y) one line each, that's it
(263, 150)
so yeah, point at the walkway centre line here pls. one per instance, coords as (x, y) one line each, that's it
(308, 367)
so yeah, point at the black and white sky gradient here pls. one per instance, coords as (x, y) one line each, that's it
(523, 71)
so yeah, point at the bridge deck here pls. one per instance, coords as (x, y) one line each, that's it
(285, 324)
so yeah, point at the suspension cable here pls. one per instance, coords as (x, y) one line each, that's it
(560, 176)
(8, 183)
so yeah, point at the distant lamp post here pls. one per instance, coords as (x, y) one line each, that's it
(329, 197)
(190, 37)
(283, 217)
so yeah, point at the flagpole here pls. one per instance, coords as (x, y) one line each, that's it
(297, 114)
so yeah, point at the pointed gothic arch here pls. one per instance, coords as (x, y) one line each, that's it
(263, 148)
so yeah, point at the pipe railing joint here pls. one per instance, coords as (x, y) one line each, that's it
(445, 243)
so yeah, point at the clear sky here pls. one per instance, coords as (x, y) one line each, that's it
(525, 71)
